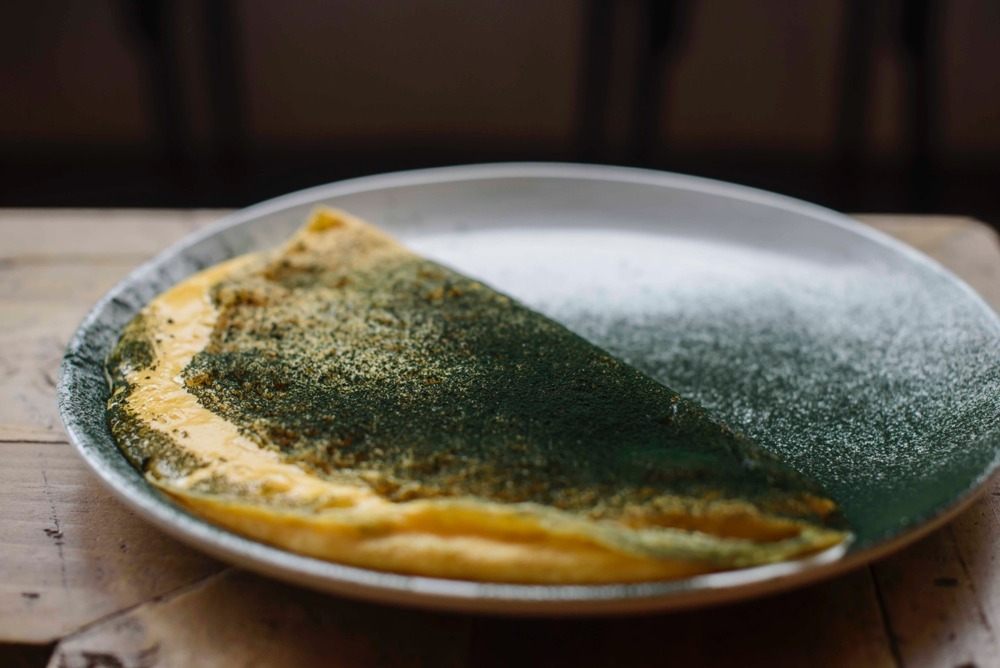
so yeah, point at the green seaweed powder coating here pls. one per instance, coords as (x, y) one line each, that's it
(424, 383)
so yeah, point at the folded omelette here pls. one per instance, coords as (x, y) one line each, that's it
(344, 398)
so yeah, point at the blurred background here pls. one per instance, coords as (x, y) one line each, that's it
(862, 105)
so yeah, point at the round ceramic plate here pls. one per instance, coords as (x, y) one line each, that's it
(857, 360)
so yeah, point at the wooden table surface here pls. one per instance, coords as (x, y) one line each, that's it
(83, 582)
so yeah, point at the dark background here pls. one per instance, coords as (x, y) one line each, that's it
(874, 105)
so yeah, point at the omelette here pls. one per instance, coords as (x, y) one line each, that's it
(344, 398)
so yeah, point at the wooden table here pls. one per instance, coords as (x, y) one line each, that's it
(83, 582)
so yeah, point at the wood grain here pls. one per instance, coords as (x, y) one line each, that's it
(942, 595)
(271, 624)
(53, 267)
(262, 622)
(835, 623)
(95, 235)
(932, 600)
(75, 565)
(71, 554)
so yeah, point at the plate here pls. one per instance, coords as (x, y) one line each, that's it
(857, 360)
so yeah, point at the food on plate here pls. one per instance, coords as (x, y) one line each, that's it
(345, 398)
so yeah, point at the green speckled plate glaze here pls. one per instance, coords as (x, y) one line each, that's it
(857, 360)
